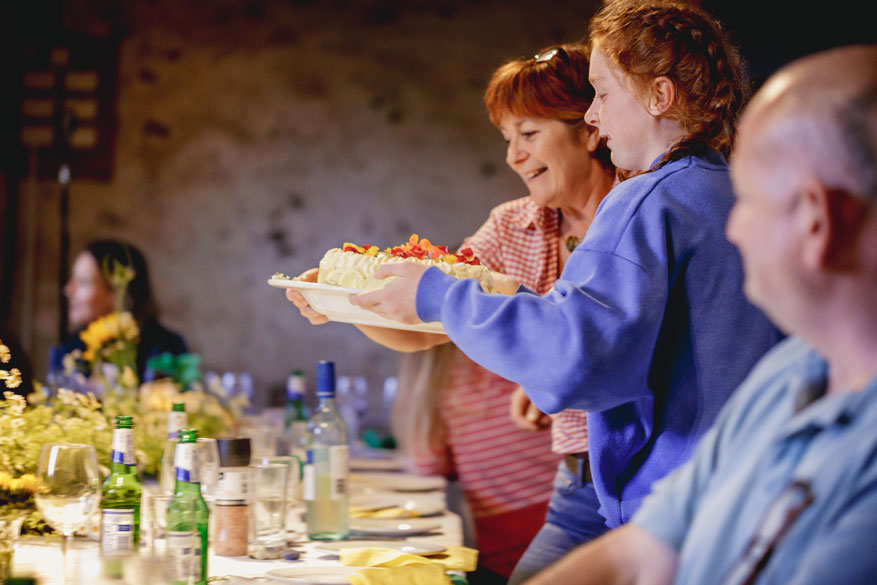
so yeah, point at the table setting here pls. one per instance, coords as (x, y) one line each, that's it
(400, 527)
(434, 536)
(176, 480)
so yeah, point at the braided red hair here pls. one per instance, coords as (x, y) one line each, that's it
(683, 43)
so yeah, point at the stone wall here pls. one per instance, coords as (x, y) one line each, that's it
(255, 135)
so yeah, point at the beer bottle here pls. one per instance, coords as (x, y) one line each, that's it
(187, 528)
(120, 502)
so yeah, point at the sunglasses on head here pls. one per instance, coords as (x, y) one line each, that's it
(551, 54)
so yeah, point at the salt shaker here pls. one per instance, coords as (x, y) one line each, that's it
(232, 493)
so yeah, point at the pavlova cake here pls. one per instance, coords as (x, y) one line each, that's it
(354, 266)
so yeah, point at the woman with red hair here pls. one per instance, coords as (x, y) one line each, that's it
(455, 417)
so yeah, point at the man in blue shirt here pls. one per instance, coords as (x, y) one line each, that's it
(783, 488)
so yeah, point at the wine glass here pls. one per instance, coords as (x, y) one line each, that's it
(69, 489)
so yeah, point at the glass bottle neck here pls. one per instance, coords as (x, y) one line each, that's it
(186, 468)
(326, 403)
(122, 459)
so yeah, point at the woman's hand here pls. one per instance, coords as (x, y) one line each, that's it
(299, 301)
(525, 414)
(397, 299)
(503, 283)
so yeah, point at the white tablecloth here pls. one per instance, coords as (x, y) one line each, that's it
(42, 559)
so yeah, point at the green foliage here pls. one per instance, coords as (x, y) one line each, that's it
(82, 418)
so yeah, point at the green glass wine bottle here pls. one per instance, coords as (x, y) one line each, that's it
(187, 528)
(120, 502)
(295, 420)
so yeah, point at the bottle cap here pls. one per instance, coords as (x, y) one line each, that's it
(179, 407)
(188, 436)
(325, 378)
(233, 451)
(295, 385)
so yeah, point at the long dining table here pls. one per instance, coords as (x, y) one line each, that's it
(41, 559)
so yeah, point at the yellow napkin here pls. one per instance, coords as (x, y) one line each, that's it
(454, 558)
(391, 512)
(428, 574)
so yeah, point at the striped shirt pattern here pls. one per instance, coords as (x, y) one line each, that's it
(520, 239)
(505, 473)
(500, 467)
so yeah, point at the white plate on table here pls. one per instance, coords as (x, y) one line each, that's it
(392, 463)
(398, 482)
(332, 301)
(415, 504)
(328, 575)
(414, 548)
(393, 527)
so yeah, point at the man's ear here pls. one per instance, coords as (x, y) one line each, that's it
(662, 96)
(833, 221)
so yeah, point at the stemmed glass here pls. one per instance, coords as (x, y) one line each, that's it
(69, 489)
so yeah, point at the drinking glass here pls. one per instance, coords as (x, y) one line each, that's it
(293, 481)
(10, 528)
(157, 509)
(267, 512)
(262, 434)
(351, 397)
(208, 456)
(69, 489)
(166, 476)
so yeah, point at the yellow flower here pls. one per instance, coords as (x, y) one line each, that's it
(121, 275)
(11, 378)
(26, 483)
(158, 395)
(15, 404)
(128, 378)
(69, 361)
(106, 329)
(128, 326)
(36, 398)
(5, 354)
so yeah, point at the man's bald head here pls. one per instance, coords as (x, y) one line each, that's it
(816, 120)
(804, 169)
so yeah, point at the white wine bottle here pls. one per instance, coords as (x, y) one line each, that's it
(325, 470)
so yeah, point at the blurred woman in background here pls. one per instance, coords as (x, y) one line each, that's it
(91, 295)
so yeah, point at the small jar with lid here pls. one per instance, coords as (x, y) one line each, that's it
(232, 493)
